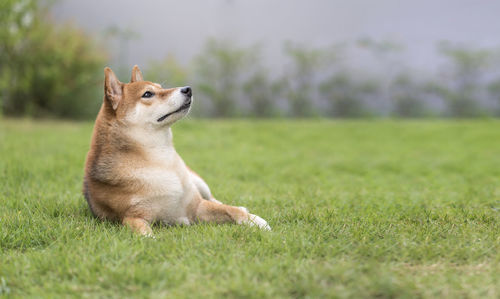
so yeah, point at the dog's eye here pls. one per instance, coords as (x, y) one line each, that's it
(147, 94)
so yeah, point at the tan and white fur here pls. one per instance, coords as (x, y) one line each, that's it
(133, 173)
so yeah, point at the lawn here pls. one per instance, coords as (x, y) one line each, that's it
(358, 209)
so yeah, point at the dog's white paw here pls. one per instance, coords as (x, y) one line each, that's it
(254, 220)
(149, 235)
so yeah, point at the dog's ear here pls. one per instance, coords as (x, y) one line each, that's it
(136, 75)
(113, 88)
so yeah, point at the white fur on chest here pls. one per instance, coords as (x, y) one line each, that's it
(166, 195)
(167, 186)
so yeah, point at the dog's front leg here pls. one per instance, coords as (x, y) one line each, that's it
(209, 211)
(202, 186)
(138, 225)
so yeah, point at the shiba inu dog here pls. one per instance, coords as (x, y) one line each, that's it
(133, 173)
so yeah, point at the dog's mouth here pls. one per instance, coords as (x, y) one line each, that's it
(183, 107)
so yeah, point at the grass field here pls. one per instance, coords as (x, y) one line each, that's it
(358, 209)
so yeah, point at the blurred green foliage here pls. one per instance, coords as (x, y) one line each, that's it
(464, 79)
(301, 79)
(262, 93)
(50, 70)
(221, 69)
(231, 80)
(228, 80)
(407, 96)
(168, 73)
(345, 95)
(45, 69)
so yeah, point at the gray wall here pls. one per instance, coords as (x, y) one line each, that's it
(181, 27)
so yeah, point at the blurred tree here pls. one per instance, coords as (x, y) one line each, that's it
(302, 79)
(494, 91)
(16, 20)
(386, 53)
(397, 84)
(345, 96)
(463, 80)
(221, 69)
(122, 38)
(46, 70)
(262, 93)
(407, 97)
(169, 72)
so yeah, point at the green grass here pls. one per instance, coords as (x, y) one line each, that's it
(358, 209)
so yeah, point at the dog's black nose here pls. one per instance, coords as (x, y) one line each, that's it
(187, 91)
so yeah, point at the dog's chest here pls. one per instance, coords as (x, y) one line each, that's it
(163, 174)
(165, 191)
(158, 181)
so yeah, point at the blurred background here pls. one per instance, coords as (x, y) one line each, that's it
(280, 58)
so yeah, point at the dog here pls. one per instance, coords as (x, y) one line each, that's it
(133, 174)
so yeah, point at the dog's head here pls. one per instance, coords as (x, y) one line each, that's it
(145, 103)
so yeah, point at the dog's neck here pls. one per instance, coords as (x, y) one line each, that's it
(152, 141)
(153, 138)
